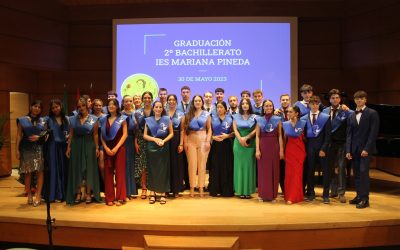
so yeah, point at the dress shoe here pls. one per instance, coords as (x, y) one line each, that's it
(333, 195)
(362, 204)
(309, 198)
(326, 200)
(355, 201)
(342, 198)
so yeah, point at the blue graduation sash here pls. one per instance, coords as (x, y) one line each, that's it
(60, 133)
(177, 118)
(241, 123)
(340, 117)
(140, 116)
(257, 110)
(295, 131)
(158, 129)
(303, 109)
(219, 127)
(270, 125)
(113, 129)
(28, 127)
(86, 128)
(181, 107)
(131, 122)
(313, 130)
(199, 123)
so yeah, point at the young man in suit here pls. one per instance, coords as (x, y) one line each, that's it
(337, 149)
(318, 133)
(362, 130)
(184, 104)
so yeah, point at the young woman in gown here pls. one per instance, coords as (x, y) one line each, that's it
(176, 149)
(29, 149)
(295, 155)
(269, 151)
(157, 132)
(244, 169)
(82, 151)
(221, 167)
(128, 110)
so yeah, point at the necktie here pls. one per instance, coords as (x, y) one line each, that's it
(334, 110)
(208, 109)
(314, 116)
(186, 106)
(234, 112)
(285, 115)
(359, 111)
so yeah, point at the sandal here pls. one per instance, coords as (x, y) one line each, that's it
(152, 199)
(88, 199)
(78, 198)
(163, 200)
(120, 203)
(36, 203)
(30, 200)
(144, 194)
(110, 203)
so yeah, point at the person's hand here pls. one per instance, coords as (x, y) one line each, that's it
(258, 154)
(180, 149)
(277, 112)
(67, 153)
(322, 153)
(243, 141)
(364, 153)
(217, 138)
(348, 156)
(97, 152)
(345, 108)
(108, 151)
(207, 146)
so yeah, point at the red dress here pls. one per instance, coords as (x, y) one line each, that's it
(295, 155)
(117, 163)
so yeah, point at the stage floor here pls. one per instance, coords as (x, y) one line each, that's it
(209, 214)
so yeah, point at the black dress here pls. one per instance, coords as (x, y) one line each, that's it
(177, 166)
(221, 168)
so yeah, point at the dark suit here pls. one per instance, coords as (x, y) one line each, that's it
(361, 137)
(313, 146)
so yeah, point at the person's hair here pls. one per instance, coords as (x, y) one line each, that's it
(257, 91)
(83, 101)
(241, 111)
(262, 106)
(219, 90)
(149, 93)
(245, 92)
(62, 113)
(185, 87)
(223, 104)
(297, 110)
(208, 91)
(85, 96)
(98, 100)
(112, 92)
(116, 103)
(333, 92)
(231, 97)
(35, 102)
(191, 113)
(162, 89)
(283, 96)
(306, 87)
(152, 109)
(314, 99)
(360, 94)
(174, 96)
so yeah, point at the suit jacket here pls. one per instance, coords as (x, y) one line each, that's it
(323, 140)
(181, 108)
(362, 136)
(339, 135)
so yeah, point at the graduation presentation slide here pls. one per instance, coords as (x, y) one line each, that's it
(233, 55)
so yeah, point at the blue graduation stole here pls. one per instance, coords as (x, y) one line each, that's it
(340, 117)
(241, 123)
(86, 128)
(219, 126)
(199, 123)
(303, 109)
(270, 125)
(295, 131)
(131, 122)
(313, 130)
(158, 129)
(60, 133)
(214, 110)
(113, 129)
(182, 108)
(140, 116)
(177, 118)
(257, 110)
(29, 129)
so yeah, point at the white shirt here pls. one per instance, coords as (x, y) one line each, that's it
(358, 116)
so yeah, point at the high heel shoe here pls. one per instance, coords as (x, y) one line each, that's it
(78, 198)
(201, 191)
(152, 199)
(191, 194)
(163, 200)
(88, 199)
(36, 203)
(30, 200)
(143, 196)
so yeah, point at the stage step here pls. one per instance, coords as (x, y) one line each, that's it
(155, 242)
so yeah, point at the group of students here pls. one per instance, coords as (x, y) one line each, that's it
(165, 146)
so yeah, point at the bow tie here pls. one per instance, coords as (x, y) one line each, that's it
(359, 111)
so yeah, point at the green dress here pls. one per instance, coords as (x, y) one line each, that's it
(83, 160)
(158, 158)
(244, 169)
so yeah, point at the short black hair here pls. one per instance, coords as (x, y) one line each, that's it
(306, 87)
(219, 90)
(360, 94)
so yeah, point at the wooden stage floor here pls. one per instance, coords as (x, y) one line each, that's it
(258, 224)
